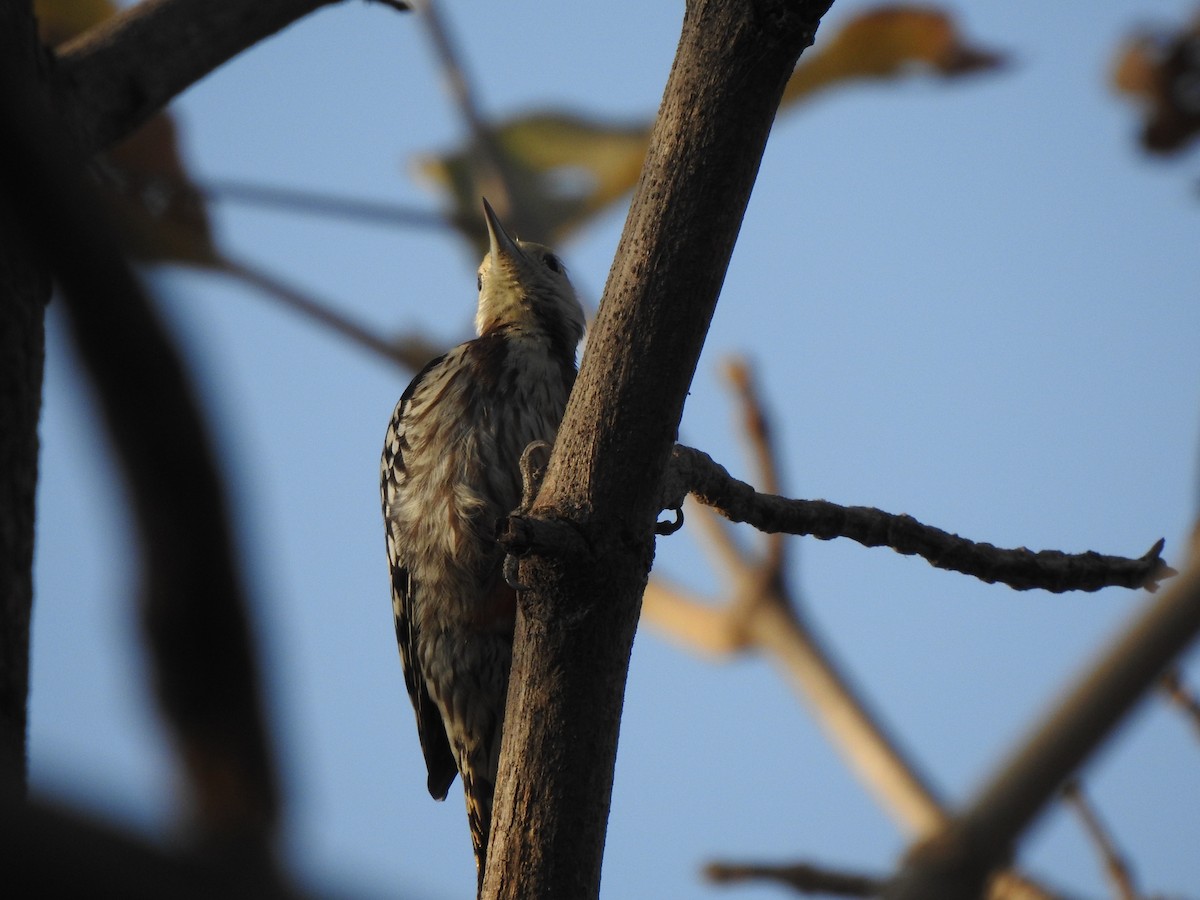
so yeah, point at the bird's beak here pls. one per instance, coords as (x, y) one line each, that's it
(501, 245)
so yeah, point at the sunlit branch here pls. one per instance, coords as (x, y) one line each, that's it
(1114, 864)
(953, 864)
(1184, 699)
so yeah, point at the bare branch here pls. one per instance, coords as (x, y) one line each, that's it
(757, 430)
(318, 204)
(411, 353)
(1184, 699)
(118, 74)
(1021, 569)
(761, 616)
(711, 629)
(804, 877)
(1114, 865)
(954, 864)
(494, 176)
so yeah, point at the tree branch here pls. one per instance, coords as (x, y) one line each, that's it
(24, 292)
(1178, 693)
(694, 472)
(575, 625)
(411, 353)
(52, 852)
(803, 877)
(1114, 864)
(117, 75)
(762, 617)
(312, 203)
(955, 863)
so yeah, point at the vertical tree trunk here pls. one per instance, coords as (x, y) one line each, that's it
(576, 621)
(24, 292)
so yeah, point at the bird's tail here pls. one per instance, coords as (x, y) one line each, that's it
(479, 792)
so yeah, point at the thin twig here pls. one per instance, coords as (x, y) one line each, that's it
(756, 427)
(318, 204)
(729, 555)
(1114, 864)
(803, 877)
(410, 353)
(493, 167)
(1184, 699)
(1021, 569)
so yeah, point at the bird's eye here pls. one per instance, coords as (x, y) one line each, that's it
(552, 262)
(479, 282)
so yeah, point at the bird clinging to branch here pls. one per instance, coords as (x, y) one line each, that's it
(450, 470)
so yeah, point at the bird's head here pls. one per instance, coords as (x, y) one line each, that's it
(525, 285)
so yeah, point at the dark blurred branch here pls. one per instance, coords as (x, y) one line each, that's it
(409, 353)
(118, 74)
(24, 292)
(193, 600)
(317, 204)
(803, 877)
(695, 472)
(51, 852)
(1114, 865)
(954, 864)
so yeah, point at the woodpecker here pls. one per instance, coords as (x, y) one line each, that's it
(450, 470)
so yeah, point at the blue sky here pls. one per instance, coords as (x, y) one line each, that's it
(974, 302)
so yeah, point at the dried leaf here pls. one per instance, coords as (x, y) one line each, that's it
(1161, 71)
(886, 43)
(159, 214)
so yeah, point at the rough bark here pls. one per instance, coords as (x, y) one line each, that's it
(576, 621)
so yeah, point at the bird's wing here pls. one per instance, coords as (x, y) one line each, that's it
(439, 760)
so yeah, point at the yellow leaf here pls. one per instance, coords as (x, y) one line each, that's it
(888, 42)
(562, 169)
(1161, 72)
